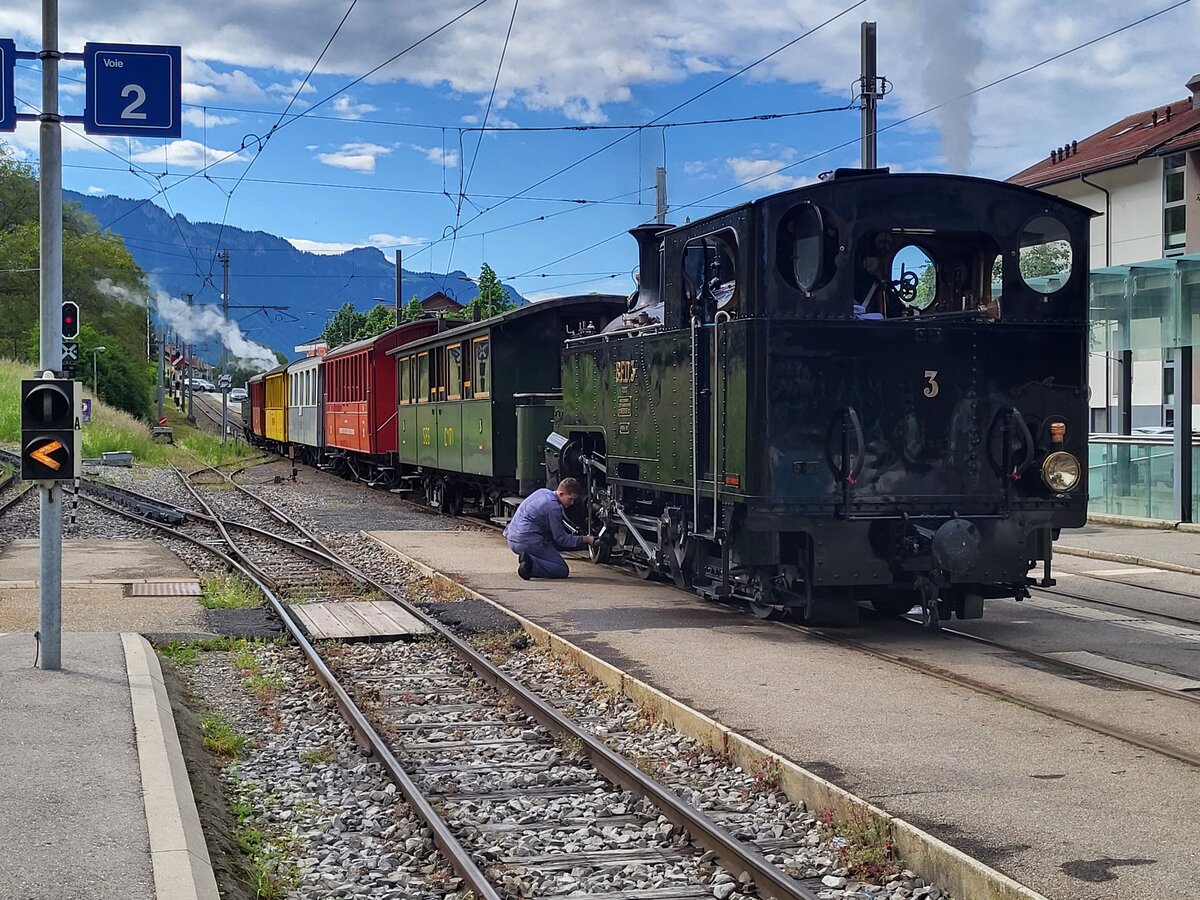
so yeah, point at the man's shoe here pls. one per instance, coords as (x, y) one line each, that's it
(525, 566)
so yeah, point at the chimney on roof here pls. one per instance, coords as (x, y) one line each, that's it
(1074, 147)
(1154, 118)
(1193, 85)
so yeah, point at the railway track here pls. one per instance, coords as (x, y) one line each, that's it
(463, 740)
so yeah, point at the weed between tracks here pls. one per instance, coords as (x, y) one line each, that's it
(267, 870)
(221, 739)
(229, 592)
(864, 845)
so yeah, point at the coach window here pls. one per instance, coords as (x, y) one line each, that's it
(423, 378)
(405, 387)
(437, 372)
(483, 367)
(454, 372)
(1045, 257)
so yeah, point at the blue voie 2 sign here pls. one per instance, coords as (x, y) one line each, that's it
(8, 60)
(133, 90)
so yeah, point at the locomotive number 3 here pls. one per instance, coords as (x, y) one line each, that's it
(931, 389)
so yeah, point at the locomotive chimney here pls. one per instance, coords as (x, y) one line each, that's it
(649, 262)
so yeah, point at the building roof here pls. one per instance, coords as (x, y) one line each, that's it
(1153, 132)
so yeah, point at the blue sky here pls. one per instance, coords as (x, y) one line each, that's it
(385, 161)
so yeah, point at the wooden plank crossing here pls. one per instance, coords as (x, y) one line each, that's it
(359, 620)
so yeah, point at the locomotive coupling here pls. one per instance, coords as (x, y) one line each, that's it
(953, 548)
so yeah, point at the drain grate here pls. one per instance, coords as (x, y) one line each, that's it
(165, 589)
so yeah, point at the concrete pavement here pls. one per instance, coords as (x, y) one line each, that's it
(1174, 549)
(1070, 813)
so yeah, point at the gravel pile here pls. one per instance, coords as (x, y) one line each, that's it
(334, 821)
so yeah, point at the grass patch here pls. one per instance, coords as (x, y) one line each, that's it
(209, 450)
(265, 687)
(184, 653)
(221, 739)
(245, 661)
(318, 756)
(229, 592)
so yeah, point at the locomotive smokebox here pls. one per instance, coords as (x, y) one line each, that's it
(649, 262)
(956, 547)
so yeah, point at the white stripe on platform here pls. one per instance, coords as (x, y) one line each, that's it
(1140, 570)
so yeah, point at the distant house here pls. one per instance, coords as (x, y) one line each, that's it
(313, 347)
(1142, 174)
(439, 302)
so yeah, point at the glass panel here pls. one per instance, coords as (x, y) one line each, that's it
(423, 378)
(1132, 479)
(454, 372)
(808, 250)
(1174, 187)
(1175, 225)
(1045, 259)
(914, 277)
(483, 371)
(405, 368)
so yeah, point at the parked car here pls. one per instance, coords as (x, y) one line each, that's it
(199, 384)
(237, 395)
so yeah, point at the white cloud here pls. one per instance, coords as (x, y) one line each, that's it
(311, 147)
(394, 240)
(202, 78)
(767, 172)
(288, 91)
(185, 154)
(96, 191)
(699, 168)
(438, 156)
(348, 109)
(324, 248)
(201, 118)
(358, 157)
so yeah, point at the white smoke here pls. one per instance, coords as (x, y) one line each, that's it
(952, 49)
(198, 323)
(118, 292)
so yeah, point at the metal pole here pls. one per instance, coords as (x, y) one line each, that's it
(660, 195)
(161, 373)
(400, 285)
(224, 345)
(1183, 450)
(869, 96)
(50, 350)
(188, 350)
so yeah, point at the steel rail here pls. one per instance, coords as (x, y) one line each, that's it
(457, 855)
(770, 880)
(1137, 609)
(6, 505)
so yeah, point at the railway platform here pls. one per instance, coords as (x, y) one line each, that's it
(1172, 549)
(1063, 810)
(95, 800)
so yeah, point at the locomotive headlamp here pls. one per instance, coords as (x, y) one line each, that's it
(1060, 471)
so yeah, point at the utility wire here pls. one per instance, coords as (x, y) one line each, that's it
(262, 144)
(319, 103)
(686, 102)
(896, 124)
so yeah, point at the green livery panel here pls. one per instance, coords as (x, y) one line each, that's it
(477, 437)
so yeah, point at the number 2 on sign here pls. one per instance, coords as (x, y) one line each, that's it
(931, 389)
(139, 95)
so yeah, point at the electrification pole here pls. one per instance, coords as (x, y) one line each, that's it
(188, 350)
(225, 344)
(660, 195)
(50, 342)
(869, 96)
(399, 285)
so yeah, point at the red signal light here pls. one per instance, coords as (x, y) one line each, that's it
(70, 320)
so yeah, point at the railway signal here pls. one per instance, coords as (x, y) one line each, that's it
(49, 424)
(70, 320)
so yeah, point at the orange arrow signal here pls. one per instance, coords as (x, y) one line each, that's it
(42, 455)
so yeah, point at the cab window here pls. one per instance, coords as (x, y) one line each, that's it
(710, 276)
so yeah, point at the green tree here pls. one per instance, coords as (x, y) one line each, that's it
(492, 299)
(413, 310)
(344, 327)
(378, 320)
(1050, 258)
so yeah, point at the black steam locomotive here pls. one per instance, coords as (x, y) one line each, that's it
(870, 388)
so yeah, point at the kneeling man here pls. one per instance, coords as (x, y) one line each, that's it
(536, 532)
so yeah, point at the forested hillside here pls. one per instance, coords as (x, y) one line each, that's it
(98, 273)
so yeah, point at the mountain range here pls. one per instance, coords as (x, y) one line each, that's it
(264, 270)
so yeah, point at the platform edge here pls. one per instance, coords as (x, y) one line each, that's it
(934, 859)
(178, 852)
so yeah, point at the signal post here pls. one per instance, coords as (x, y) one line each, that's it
(131, 90)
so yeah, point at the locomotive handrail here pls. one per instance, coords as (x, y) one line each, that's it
(1005, 465)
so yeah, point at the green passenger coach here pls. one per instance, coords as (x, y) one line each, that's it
(462, 393)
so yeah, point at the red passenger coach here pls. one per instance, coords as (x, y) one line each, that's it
(258, 401)
(360, 391)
